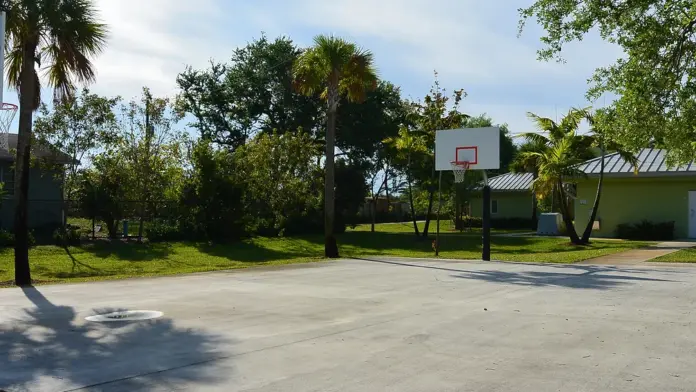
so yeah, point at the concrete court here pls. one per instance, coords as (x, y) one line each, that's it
(358, 325)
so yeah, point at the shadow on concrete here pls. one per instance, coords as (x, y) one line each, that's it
(51, 349)
(570, 276)
(588, 277)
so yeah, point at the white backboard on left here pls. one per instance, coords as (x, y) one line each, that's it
(478, 146)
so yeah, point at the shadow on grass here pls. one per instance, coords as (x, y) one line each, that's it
(250, 252)
(128, 251)
(50, 348)
(571, 276)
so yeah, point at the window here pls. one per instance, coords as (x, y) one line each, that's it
(494, 206)
(7, 178)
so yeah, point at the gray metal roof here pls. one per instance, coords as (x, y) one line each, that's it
(650, 161)
(511, 182)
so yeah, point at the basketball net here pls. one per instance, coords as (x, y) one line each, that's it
(459, 169)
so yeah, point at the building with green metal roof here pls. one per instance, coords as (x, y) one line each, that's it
(654, 191)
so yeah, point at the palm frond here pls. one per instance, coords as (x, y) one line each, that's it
(358, 76)
(335, 60)
(72, 35)
(570, 122)
(534, 138)
(629, 157)
(63, 34)
(13, 66)
(310, 72)
(542, 124)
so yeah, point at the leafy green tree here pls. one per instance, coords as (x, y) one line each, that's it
(78, 126)
(58, 37)
(361, 129)
(334, 67)
(526, 162)
(653, 79)
(407, 145)
(351, 191)
(253, 93)
(154, 148)
(211, 199)
(101, 190)
(434, 113)
(281, 179)
(362, 126)
(378, 174)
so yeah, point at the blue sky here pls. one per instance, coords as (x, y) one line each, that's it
(473, 44)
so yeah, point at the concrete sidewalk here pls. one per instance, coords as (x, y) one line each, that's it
(642, 255)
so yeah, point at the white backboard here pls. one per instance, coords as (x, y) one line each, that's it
(479, 146)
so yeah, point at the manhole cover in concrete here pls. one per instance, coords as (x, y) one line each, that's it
(126, 315)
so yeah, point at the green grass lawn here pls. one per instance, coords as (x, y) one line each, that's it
(103, 260)
(682, 256)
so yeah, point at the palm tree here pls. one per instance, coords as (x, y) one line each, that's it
(333, 67)
(59, 37)
(603, 143)
(558, 163)
(528, 163)
(552, 148)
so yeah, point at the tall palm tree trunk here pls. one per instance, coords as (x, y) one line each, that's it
(567, 221)
(330, 246)
(27, 90)
(595, 206)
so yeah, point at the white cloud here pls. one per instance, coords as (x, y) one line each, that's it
(466, 39)
(150, 41)
(472, 43)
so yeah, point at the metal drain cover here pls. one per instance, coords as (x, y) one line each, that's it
(126, 315)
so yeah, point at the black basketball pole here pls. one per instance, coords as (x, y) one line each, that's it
(486, 224)
(439, 205)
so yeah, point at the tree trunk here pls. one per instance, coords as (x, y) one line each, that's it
(27, 91)
(413, 209)
(431, 197)
(595, 206)
(330, 245)
(570, 228)
(148, 142)
(410, 196)
(386, 194)
(373, 206)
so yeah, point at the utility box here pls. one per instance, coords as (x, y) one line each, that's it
(550, 224)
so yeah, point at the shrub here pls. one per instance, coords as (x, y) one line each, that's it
(162, 231)
(7, 239)
(70, 236)
(646, 231)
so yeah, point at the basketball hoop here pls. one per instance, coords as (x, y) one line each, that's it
(7, 114)
(459, 169)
